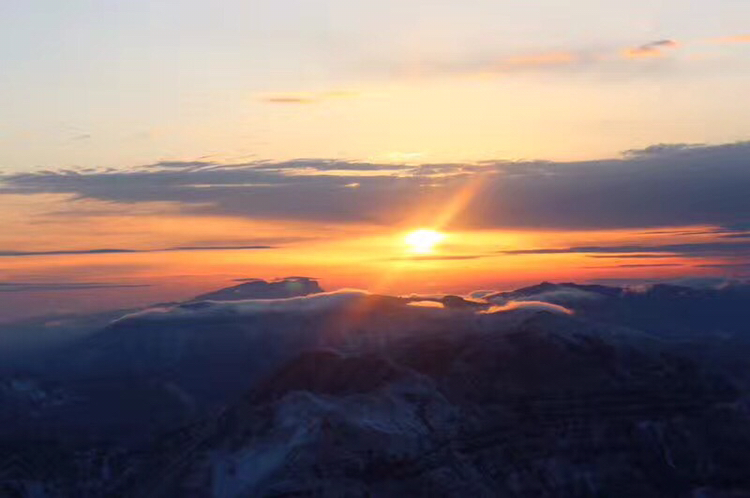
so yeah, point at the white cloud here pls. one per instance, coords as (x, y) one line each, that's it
(567, 296)
(529, 306)
(426, 304)
(305, 304)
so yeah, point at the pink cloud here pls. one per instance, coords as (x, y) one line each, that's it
(731, 39)
(650, 50)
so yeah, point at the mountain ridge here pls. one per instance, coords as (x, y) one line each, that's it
(607, 391)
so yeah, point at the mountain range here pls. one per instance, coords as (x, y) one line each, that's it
(281, 389)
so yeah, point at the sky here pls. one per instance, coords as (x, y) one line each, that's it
(150, 150)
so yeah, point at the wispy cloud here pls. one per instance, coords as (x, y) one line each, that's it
(499, 64)
(698, 282)
(695, 249)
(541, 60)
(560, 60)
(289, 100)
(665, 265)
(650, 50)
(63, 252)
(661, 150)
(439, 258)
(63, 286)
(528, 305)
(213, 248)
(630, 256)
(306, 97)
(705, 186)
(727, 265)
(731, 39)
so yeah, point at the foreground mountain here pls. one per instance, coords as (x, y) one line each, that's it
(557, 390)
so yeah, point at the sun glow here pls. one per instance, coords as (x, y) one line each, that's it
(423, 241)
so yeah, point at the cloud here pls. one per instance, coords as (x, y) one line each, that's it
(63, 286)
(439, 258)
(14, 254)
(665, 265)
(426, 304)
(661, 186)
(661, 150)
(356, 303)
(650, 50)
(290, 100)
(562, 60)
(211, 248)
(541, 60)
(727, 265)
(731, 39)
(481, 294)
(181, 165)
(630, 256)
(644, 284)
(528, 305)
(562, 295)
(306, 98)
(695, 249)
(208, 309)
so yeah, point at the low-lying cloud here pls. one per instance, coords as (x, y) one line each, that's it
(304, 304)
(564, 296)
(529, 306)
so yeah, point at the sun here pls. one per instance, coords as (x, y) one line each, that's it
(423, 241)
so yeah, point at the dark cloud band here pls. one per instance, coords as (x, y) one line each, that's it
(697, 249)
(11, 254)
(63, 286)
(660, 186)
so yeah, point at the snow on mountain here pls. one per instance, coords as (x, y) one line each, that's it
(558, 390)
(548, 408)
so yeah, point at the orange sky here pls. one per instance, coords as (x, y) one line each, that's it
(371, 257)
(328, 130)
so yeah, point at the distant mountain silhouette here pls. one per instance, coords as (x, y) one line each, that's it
(260, 289)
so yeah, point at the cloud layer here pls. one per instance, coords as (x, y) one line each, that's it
(529, 306)
(696, 249)
(63, 252)
(63, 286)
(660, 186)
(654, 49)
